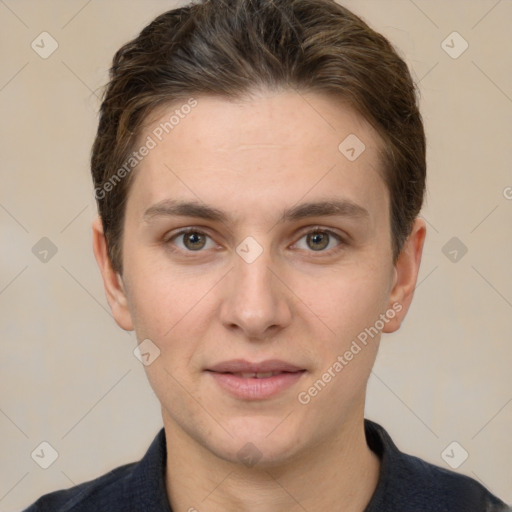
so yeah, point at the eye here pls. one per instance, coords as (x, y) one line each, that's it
(318, 239)
(193, 240)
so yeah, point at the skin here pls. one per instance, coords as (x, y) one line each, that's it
(253, 159)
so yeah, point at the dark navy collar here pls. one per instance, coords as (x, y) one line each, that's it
(405, 483)
(404, 480)
(147, 483)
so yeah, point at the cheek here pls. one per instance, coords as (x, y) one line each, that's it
(350, 305)
(347, 301)
(172, 309)
(157, 298)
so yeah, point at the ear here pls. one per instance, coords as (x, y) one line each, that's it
(112, 281)
(406, 275)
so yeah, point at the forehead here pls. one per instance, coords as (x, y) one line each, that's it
(276, 144)
(262, 119)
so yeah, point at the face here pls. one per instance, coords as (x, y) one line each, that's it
(257, 258)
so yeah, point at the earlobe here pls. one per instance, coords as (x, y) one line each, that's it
(112, 281)
(406, 275)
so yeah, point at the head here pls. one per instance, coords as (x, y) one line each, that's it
(291, 131)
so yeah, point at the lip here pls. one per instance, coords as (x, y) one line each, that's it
(243, 366)
(227, 375)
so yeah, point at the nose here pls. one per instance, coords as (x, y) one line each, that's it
(256, 301)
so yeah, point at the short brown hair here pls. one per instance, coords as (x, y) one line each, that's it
(230, 48)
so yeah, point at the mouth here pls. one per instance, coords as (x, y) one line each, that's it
(256, 375)
(242, 366)
(255, 381)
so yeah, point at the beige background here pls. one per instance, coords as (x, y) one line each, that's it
(68, 374)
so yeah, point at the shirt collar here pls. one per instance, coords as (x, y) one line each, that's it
(146, 486)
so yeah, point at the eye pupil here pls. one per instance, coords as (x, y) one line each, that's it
(194, 238)
(323, 238)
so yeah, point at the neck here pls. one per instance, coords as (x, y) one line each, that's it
(340, 474)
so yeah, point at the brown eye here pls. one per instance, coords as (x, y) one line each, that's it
(194, 240)
(322, 241)
(318, 240)
(190, 240)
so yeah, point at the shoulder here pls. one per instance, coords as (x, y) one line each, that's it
(102, 493)
(130, 488)
(409, 483)
(442, 489)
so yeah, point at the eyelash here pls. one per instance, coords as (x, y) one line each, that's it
(341, 242)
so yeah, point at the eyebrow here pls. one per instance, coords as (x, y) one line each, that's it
(332, 207)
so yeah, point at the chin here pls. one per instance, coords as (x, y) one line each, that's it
(256, 440)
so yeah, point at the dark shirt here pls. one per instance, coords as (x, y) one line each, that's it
(406, 484)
